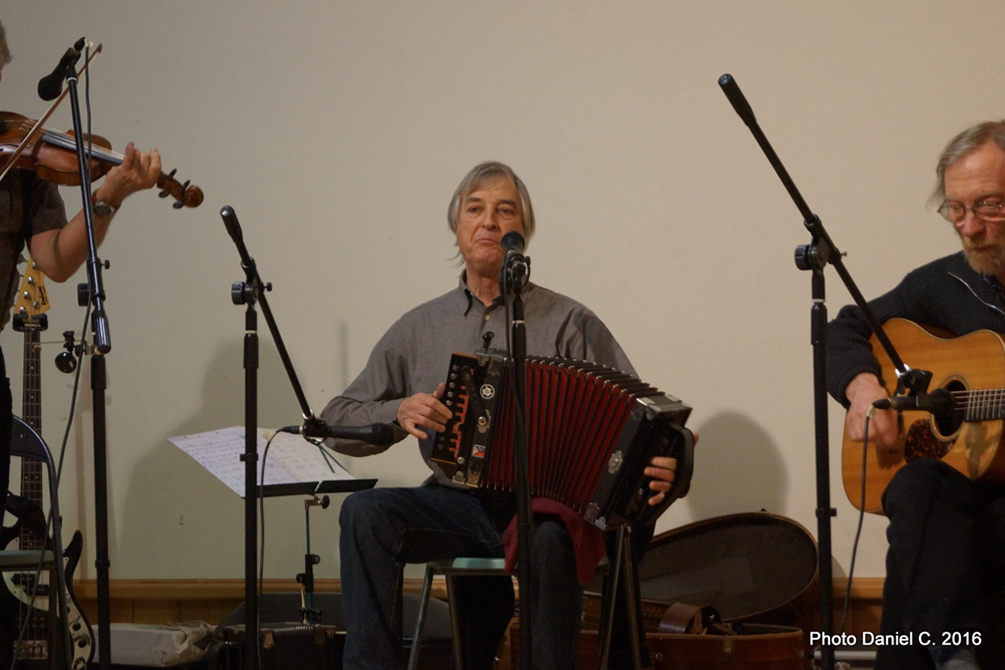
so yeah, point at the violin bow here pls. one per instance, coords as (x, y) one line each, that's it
(33, 133)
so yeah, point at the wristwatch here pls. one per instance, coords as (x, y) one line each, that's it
(103, 209)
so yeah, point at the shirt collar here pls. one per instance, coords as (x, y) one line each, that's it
(470, 299)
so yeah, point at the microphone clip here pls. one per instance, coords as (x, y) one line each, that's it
(314, 428)
(517, 269)
(66, 361)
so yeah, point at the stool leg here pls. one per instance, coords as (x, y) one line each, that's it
(455, 623)
(427, 587)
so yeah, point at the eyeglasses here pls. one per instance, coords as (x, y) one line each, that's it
(985, 210)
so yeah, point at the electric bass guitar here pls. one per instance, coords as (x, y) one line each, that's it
(968, 436)
(31, 596)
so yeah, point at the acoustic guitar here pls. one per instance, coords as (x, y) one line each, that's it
(968, 436)
(24, 598)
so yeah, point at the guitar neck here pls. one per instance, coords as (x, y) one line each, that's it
(31, 469)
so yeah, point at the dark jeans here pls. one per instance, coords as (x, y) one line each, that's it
(945, 557)
(383, 529)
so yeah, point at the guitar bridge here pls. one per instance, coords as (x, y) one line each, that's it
(32, 650)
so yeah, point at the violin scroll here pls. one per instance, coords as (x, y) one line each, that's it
(185, 195)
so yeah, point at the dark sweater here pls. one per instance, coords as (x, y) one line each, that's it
(946, 293)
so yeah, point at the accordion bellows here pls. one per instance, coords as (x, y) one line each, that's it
(591, 431)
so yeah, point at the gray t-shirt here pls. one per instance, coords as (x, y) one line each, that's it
(28, 206)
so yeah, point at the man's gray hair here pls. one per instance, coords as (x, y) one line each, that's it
(479, 176)
(5, 56)
(960, 146)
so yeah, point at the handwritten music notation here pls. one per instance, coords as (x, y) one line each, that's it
(291, 458)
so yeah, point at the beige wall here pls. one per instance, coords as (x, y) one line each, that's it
(338, 130)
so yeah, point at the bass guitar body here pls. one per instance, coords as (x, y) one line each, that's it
(32, 629)
(968, 437)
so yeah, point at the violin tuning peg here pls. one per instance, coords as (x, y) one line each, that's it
(177, 204)
(163, 194)
(171, 173)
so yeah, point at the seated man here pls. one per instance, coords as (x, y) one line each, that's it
(945, 529)
(403, 383)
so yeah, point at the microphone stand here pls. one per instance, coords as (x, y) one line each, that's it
(814, 257)
(249, 293)
(516, 341)
(102, 340)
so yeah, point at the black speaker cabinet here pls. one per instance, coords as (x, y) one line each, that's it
(286, 645)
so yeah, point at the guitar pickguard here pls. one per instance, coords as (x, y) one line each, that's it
(922, 441)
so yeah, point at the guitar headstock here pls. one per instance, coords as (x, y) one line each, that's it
(32, 300)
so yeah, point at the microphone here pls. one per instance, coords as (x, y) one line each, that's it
(513, 241)
(736, 97)
(516, 264)
(936, 402)
(231, 223)
(51, 85)
(380, 434)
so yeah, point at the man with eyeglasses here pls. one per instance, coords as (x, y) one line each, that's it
(947, 532)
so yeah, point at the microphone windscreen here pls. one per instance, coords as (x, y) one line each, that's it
(513, 241)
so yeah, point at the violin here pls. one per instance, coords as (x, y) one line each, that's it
(53, 157)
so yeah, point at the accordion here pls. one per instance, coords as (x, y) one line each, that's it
(591, 431)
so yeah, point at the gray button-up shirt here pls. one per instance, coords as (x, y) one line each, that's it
(414, 354)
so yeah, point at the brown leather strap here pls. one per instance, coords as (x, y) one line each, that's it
(687, 618)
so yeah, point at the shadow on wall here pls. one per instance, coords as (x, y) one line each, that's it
(174, 507)
(738, 468)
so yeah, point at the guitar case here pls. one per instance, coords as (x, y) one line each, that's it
(757, 571)
(753, 567)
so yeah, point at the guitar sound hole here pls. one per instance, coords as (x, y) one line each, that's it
(948, 424)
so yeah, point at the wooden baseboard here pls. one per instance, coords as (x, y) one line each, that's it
(173, 600)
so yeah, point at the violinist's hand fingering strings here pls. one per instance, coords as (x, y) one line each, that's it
(26, 144)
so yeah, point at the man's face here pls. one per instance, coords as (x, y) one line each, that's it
(980, 175)
(487, 213)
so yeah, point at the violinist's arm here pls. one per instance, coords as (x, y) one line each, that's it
(59, 253)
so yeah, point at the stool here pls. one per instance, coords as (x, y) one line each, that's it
(473, 567)
(450, 568)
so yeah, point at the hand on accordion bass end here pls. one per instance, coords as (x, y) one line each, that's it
(662, 470)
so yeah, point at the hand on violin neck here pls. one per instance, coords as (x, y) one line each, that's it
(139, 171)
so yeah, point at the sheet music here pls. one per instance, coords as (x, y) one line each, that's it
(291, 458)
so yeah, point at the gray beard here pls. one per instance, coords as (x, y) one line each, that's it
(992, 264)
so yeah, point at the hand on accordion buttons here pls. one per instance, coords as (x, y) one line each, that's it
(423, 410)
(662, 470)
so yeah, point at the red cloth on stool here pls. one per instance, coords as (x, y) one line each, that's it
(587, 539)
